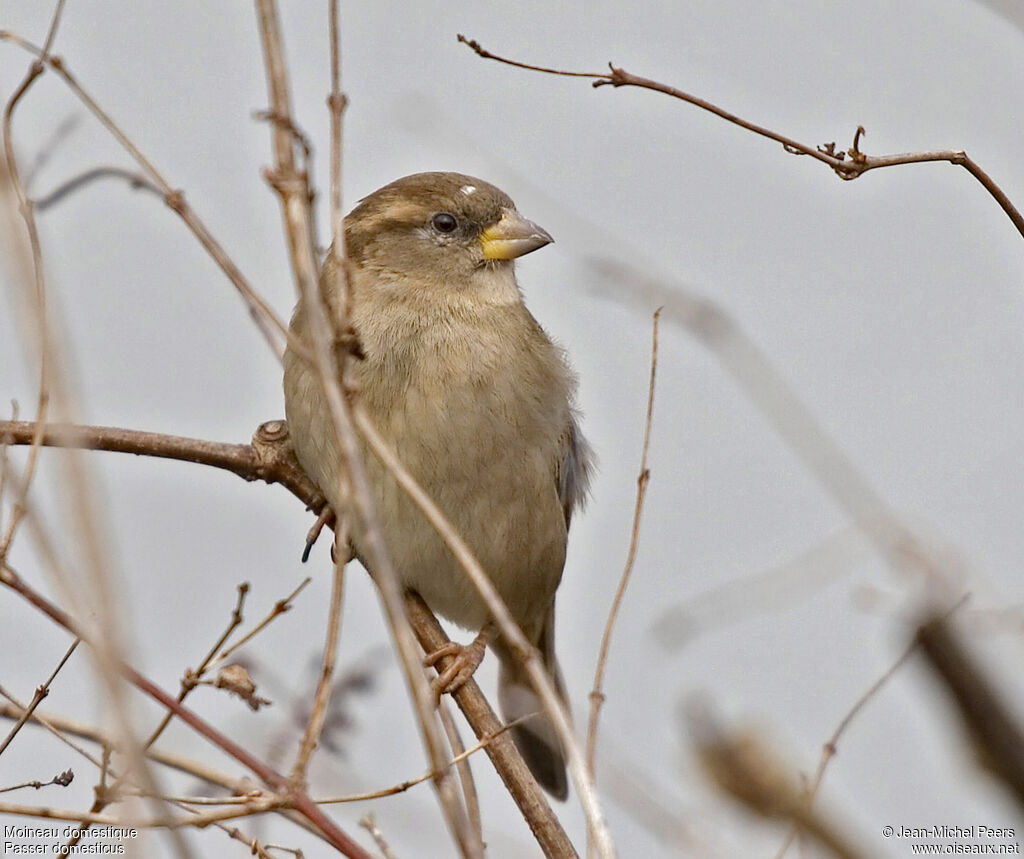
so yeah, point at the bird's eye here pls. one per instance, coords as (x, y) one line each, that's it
(444, 222)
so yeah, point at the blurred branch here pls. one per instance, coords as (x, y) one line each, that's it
(775, 588)
(998, 737)
(795, 423)
(850, 168)
(744, 767)
(89, 585)
(369, 823)
(291, 184)
(136, 181)
(29, 260)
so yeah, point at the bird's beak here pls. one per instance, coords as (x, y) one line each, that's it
(512, 236)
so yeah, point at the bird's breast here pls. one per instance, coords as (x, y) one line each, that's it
(476, 417)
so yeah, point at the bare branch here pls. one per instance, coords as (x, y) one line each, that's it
(270, 459)
(857, 164)
(41, 692)
(597, 694)
(136, 181)
(744, 767)
(262, 314)
(501, 749)
(292, 797)
(983, 710)
(321, 698)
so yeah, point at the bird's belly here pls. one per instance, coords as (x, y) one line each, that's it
(493, 480)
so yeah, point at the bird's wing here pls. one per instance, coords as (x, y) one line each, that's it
(573, 468)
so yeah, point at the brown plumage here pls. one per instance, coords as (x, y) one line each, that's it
(478, 403)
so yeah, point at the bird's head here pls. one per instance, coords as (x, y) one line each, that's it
(445, 227)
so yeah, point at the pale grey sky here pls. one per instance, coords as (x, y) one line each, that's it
(892, 305)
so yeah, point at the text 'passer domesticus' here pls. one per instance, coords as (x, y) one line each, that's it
(477, 402)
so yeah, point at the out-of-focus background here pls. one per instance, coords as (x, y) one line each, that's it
(892, 306)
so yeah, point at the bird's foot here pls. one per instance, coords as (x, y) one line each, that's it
(326, 517)
(463, 661)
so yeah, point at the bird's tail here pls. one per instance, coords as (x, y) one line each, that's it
(535, 737)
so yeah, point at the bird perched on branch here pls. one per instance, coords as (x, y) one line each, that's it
(476, 401)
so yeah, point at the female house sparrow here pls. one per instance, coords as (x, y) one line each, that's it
(477, 402)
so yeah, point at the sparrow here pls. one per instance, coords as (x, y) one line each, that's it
(478, 403)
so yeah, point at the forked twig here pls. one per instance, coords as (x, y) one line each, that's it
(290, 796)
(37, 697)
(262, 314)
(853, 167)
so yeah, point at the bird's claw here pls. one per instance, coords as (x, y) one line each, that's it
(464, 659)
(326, 517)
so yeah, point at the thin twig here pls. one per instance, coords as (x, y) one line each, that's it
(856, 165)
(597, 694)
(41, 692)
(15, 708)
(295, 798)
(280, 607)
(92, 818)
(135, 180)
(187, 687)
(63, 779)
(643, 479)
(322, 697)
(460, 759)
(831, 747)
(262, 314)
(402, 787)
